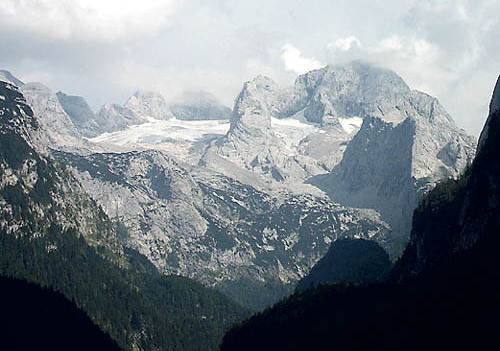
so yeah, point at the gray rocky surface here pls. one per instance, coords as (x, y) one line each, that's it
(80, 113)
(345, 152)
(211, 227)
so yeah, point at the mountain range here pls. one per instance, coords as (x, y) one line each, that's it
(346, 152)
(126, 210)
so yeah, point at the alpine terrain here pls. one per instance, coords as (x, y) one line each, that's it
(249, 201)
(53, 233)
(442, 293)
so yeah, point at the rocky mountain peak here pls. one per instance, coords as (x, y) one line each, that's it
(259, 98)
(16, 117)
(407, 143)
(355, 74)
(54, 121)
(332, 102)
(80, 113)
(58, 128)
(355, 89)
(495, 100)
(148, 104)
(430, 108)
(113, 117)
(107, 106)
(494, 107)
(262, 82)
(6, 76)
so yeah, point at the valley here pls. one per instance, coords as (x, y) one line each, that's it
(249, 175)
(259, 196)
(245, 204)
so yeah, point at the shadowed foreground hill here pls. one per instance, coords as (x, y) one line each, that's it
(351, 261)
(443, 293)
(34, 318)
(454, 307)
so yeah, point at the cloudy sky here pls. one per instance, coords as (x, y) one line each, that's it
(104, 50)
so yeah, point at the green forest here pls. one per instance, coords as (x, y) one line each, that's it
(138, 306)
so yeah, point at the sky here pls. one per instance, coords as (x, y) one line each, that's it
(105, 50)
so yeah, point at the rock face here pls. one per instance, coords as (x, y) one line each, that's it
(253, 144)
(211, 227)
(376, 171)
(148, 104)
(335, 100)
(7, 77)
(51, 195)
(56, 125)
(407, 141)
(113, 117)
(457, 214)
(139, 108)
(80, 113)
(388, 166)
(247, 204)
(195, 106)
(352, 90)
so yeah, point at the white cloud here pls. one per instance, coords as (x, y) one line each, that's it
(104, 49)
(392, 43)
(294, 61)
(408, 48)
(345, 44)
(86, 20)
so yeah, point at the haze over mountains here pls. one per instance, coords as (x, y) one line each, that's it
(345, 152)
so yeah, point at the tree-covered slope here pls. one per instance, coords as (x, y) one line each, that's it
(453, 307)
(137, 306)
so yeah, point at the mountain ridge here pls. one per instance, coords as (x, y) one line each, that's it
(443, 292)
(278, 138)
